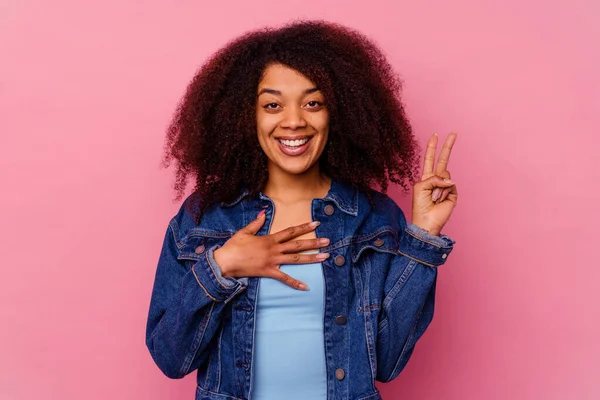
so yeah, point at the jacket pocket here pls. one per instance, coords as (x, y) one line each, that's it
(198, 241)
(384, 240)
(371, 255)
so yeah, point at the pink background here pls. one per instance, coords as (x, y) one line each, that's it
(86, 92)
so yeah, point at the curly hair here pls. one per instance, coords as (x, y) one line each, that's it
(213, 134)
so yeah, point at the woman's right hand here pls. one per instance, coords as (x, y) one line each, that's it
(246, 255)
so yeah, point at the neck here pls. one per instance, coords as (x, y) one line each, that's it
(289, 188)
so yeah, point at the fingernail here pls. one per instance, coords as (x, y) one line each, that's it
(261, 213)
(448, 181)
(314, 224)
(303, 286)
(324, 241)
(322, 256)
(435, 134)
(435, 194)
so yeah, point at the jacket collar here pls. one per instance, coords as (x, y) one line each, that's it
(343, 196)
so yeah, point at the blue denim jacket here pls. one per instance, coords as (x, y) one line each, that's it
(381, 276)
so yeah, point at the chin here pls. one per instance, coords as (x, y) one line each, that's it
(295, 169)
(295, 166)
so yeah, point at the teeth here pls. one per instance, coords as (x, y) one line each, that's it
(294, 143)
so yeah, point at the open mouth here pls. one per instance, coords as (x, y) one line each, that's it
(293, 144)
(294, 147)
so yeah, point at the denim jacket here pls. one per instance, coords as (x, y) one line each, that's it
(381, 277)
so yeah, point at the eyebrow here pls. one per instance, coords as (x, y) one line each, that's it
(278, 93)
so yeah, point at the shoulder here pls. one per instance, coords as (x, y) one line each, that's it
(216, 220)
(185, 218)
(381, 210)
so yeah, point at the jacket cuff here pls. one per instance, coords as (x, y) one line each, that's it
(418, 244)
(211, 279)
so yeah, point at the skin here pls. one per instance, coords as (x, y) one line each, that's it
(290, 105)
(434, 199)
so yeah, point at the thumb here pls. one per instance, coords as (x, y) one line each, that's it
(253, 227)
(436, 181)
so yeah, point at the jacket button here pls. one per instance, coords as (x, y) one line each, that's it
(329, 209)
(339, 374)
(378, 242)
(341, 320)
(444, 255)
(200, 249)
(339, 261)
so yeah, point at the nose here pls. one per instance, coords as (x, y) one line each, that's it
(293, 118)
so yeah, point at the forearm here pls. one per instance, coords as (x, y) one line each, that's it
(178, 332)
(188, 300)
(404, 320)
(407, 310)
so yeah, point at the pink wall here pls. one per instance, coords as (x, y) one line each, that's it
(86, 92)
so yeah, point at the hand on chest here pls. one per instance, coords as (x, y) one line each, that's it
(287, 215)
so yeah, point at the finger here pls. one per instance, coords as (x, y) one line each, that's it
(434, 182)
(430, 154)
(444, 157)
(445, 193)
(435, 194)
(296, 245)
(253, 227)
(294, 231)
(288, 280)
(296, 258)
(451, 195)
(444, 174)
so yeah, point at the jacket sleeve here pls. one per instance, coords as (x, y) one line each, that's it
(186, 308)
(407, 307)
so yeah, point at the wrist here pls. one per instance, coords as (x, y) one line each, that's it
(222, 263)
(432, 230)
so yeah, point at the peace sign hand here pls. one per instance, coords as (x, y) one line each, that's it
(434, 198)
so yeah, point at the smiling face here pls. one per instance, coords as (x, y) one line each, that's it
(292, 120)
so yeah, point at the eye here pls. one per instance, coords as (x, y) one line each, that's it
(314, 104)
(268, 106)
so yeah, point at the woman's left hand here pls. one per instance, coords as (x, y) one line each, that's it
(434, 198)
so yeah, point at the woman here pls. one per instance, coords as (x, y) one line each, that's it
(285, 275)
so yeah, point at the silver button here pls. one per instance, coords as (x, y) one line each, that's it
(200, 249)
(444, 255)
